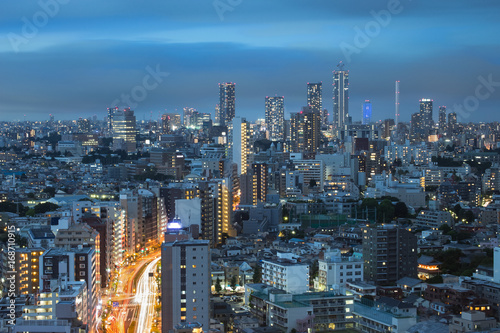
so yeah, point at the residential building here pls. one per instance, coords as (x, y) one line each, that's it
(275, 118)
(186, 283)
(292, 277)
(389, 254)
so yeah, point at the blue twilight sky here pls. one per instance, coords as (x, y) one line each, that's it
(75, 58)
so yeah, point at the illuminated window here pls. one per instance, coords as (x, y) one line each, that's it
(194, 266)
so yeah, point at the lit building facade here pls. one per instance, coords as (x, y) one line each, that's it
(340, 97)
(275, 117)
(227, 106)
(240, 144)
(367, 112)
(124, 130)
(315, 100)
(305, 130)
(426, 114)
(185, 283)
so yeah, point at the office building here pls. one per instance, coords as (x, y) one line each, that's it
(227, 106)
(313, 172)
(111, 112)
(340, 97)
(170, 122)
(188, 116)
(389, 254)
(367, 112)
(275, 117)
(124, 130)
(186, 283)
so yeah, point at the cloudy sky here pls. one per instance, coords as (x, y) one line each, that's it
(75, 58)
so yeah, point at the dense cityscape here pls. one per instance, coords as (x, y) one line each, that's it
(188, 223)
(232, 166)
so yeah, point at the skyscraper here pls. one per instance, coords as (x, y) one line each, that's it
(275, 117)
(305, 129)
(442, 118)
(397, 104)
(367, 112)
(426, 114)
(240, 145)
(124, 130)
(111, 112)
(416, 127)
(452, 122)
(315, 99)
(188, 116)
(185, 283)
(227, 107)
(340, 97)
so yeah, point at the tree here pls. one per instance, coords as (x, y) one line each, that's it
(218, 287)
(50, 191)
(386, 211)
(435, 279)
(469, 216)
(45, 207)
(312, 183)
(445, 228)
(400, 210)
(257, 274)
(314, 272)
(233, 282)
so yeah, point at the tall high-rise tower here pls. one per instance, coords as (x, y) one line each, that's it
(397, 105)
(315, 99)
(367, 112)
(275, 117)
(111, 112)
(124, 130)
(305, 130)
(240, 145)
(340, 97)
(442, 118)
(426, 113)
(227, 108)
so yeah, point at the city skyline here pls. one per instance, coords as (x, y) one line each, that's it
(80, 61)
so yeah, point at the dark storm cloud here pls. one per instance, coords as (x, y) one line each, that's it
(90, 53)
